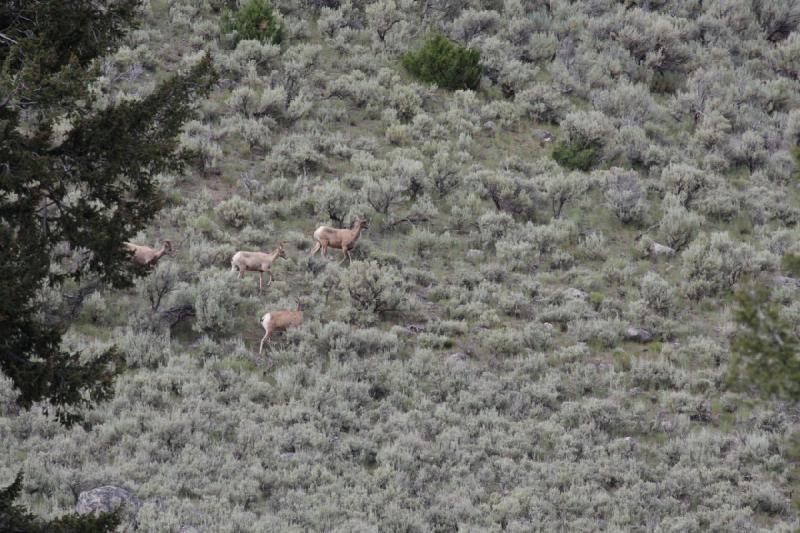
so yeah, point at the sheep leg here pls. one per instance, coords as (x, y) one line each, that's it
(349, 257)
(270, 278)
(261, 347)
(325, 250)
(260, 282)
(317, 246)
(344, 255)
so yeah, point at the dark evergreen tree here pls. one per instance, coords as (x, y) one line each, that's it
(766, 349)
(86, 192)
(578, 154)
(445, 63)
(254, 20)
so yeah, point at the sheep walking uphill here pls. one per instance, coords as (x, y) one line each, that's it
(343, 239)
(257, 262)
(146, 256)
(280, 321)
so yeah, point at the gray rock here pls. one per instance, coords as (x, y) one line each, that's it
(659, 249)
(473, 254)
(542, 135)
(106, 499)
(786, 281)
(638, 334)
(457, 357)
(489, 125)
(576, 294)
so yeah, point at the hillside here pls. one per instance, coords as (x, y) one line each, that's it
(513, 346)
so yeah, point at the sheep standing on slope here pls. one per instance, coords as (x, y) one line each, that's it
(146, 256)
(343, 239)
(257, 262)
(280, 321)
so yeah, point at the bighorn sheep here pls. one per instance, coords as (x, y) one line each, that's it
(344, 239)
(280, 321)
(257, 262)
(146, 256)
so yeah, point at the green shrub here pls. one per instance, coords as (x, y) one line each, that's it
(795, 150)
(765, 347)
(444, 63)
(576, 155)
(790, 263)
(253, 21)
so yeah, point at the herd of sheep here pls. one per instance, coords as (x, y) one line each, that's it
(244, 261)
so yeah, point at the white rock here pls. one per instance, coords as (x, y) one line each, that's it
(659, 249)
(638, 334)
(107, 499)
(576, 294)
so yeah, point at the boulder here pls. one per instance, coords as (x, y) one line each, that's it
(474, 255)
(659, 249)
(457, 357)
(576, 294)
(414, 328)
(106, 499)
(489, 125)
(786, 281)
(543, 136)
(634, 333)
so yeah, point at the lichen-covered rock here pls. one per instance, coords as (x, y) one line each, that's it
(638, 334)
(457, 357)
(542, 135)
(106, 499)
(659, 250)
(786, 281)
(473, 254)
(576, 294)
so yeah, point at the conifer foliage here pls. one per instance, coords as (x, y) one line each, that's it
(765, 349)
(76, 179)
(445, 64)
(255, 20)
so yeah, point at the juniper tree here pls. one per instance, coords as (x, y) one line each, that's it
(766, 349)
(75, 175)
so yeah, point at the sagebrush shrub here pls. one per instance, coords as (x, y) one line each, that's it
(713, 264)
(686, 182)
(678, 226)
(373, 290)
(624, 196)
(512, 195)
(542, 103)
(445, 64)
(560, 189)
(514, 342)
(236, 212)
(143, 348)
(658, 293)
(214, 303)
